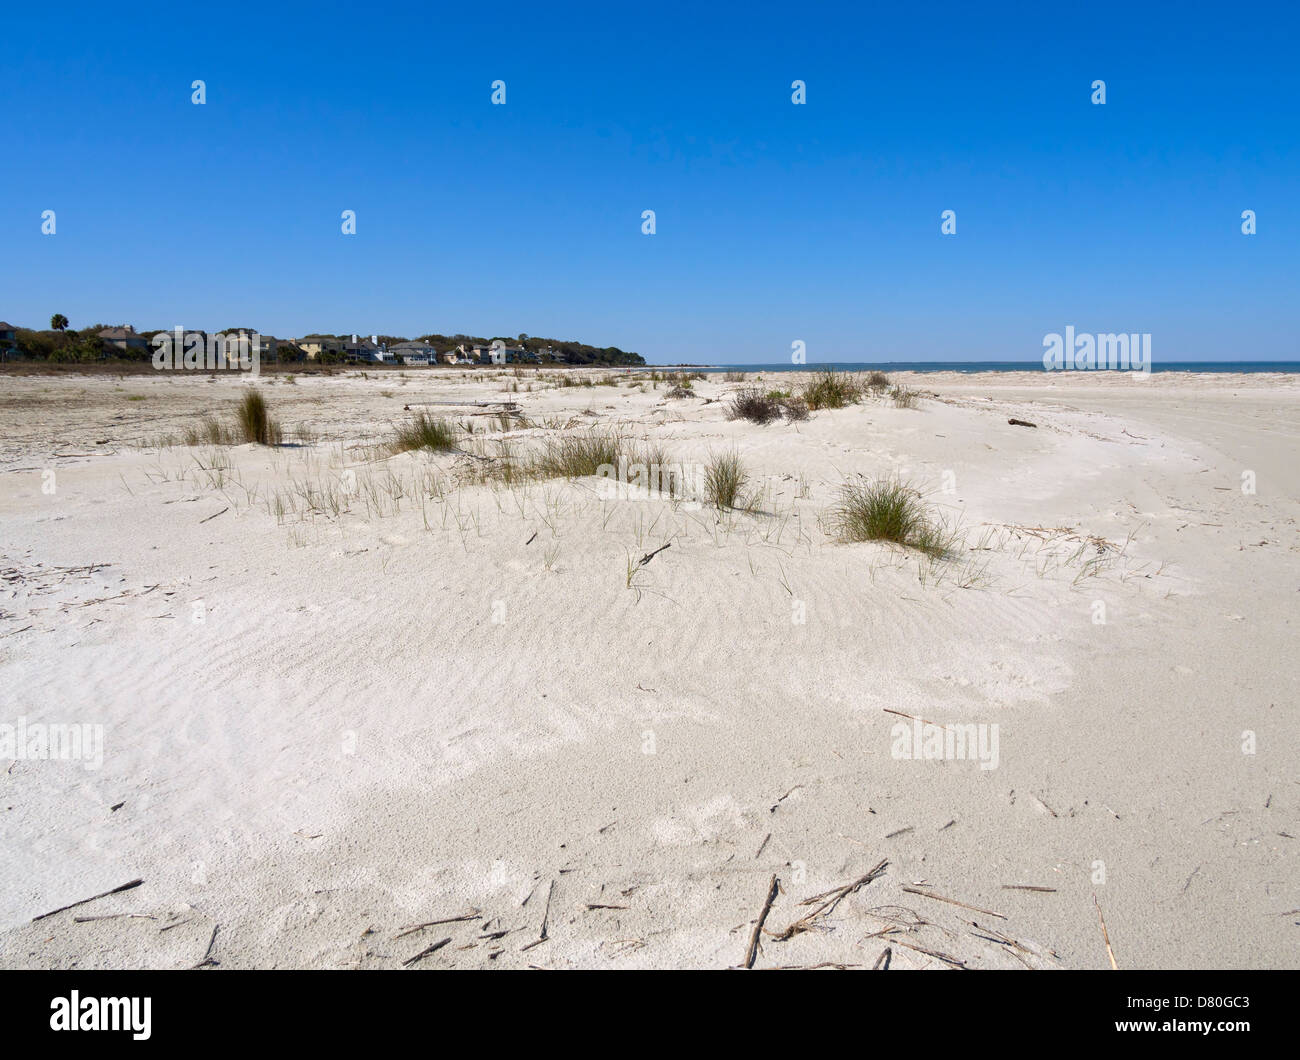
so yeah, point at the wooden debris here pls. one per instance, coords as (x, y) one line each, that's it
(751, 954)
(207, 955)
(434, 948)
(115, 890)
(411, 929)
(952, 901)
(829, 900)
(1021, 423)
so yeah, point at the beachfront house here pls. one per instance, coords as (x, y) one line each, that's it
(414, 353)
(315, 345)
(8, 339)
(502, 355)
(459, 355)
(124, 339)
(364, 351)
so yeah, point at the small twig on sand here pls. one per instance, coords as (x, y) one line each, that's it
(426, 951)
(832, 898)
(651, 555)
(882, 962)
(211, 517)
(115, 890)
(945, 957)
(1105, 934)
(752, 953)
(546, 916)
(207, 956)
(113, 916)
(1027, 887)
(1021, 423)
(953, 901)
(413, 928)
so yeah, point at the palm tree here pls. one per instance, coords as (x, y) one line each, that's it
(58, 322)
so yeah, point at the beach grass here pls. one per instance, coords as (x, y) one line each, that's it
(888, 510)
(753, 405)
(254, 422)
(725, 478)
(830, 389)
(423, 431)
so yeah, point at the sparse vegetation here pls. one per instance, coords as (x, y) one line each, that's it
(904, 398)
(888, 510)
(208, 432)
(725, 478)
(877, 381)
(424, 432)
(753, 405)
(254, 422)
(832, 390)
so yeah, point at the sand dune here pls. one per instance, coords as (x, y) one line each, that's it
(451, 697)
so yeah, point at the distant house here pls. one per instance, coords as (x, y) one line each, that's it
(414, 353)
(315, 345)
(364, 351)
(125, 339)
(264, 347)
(502, 354)
(288, 350)
(268, 348)
(8, 337)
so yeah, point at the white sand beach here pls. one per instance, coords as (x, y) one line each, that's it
(345, 693)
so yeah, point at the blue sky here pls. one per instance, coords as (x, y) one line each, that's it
(775, 222)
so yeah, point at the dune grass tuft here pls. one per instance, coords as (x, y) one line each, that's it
(903, 397)
(208, 432)
(253, 421)
(832, 390)
(877, 381)
(424, 432)
(577, 455)
(753, 405)
(725, 478)
(888, 510)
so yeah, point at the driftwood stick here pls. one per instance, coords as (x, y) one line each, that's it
(115, 890)
(207, 955)
(651, 555)
(413, 928)
(752, 953)
(426, 951)
(833, 898)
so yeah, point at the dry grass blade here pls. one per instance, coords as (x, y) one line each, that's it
(829, 900)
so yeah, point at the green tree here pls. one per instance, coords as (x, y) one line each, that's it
(58, 322)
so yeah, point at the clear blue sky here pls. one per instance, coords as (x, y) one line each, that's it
(775, 222)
